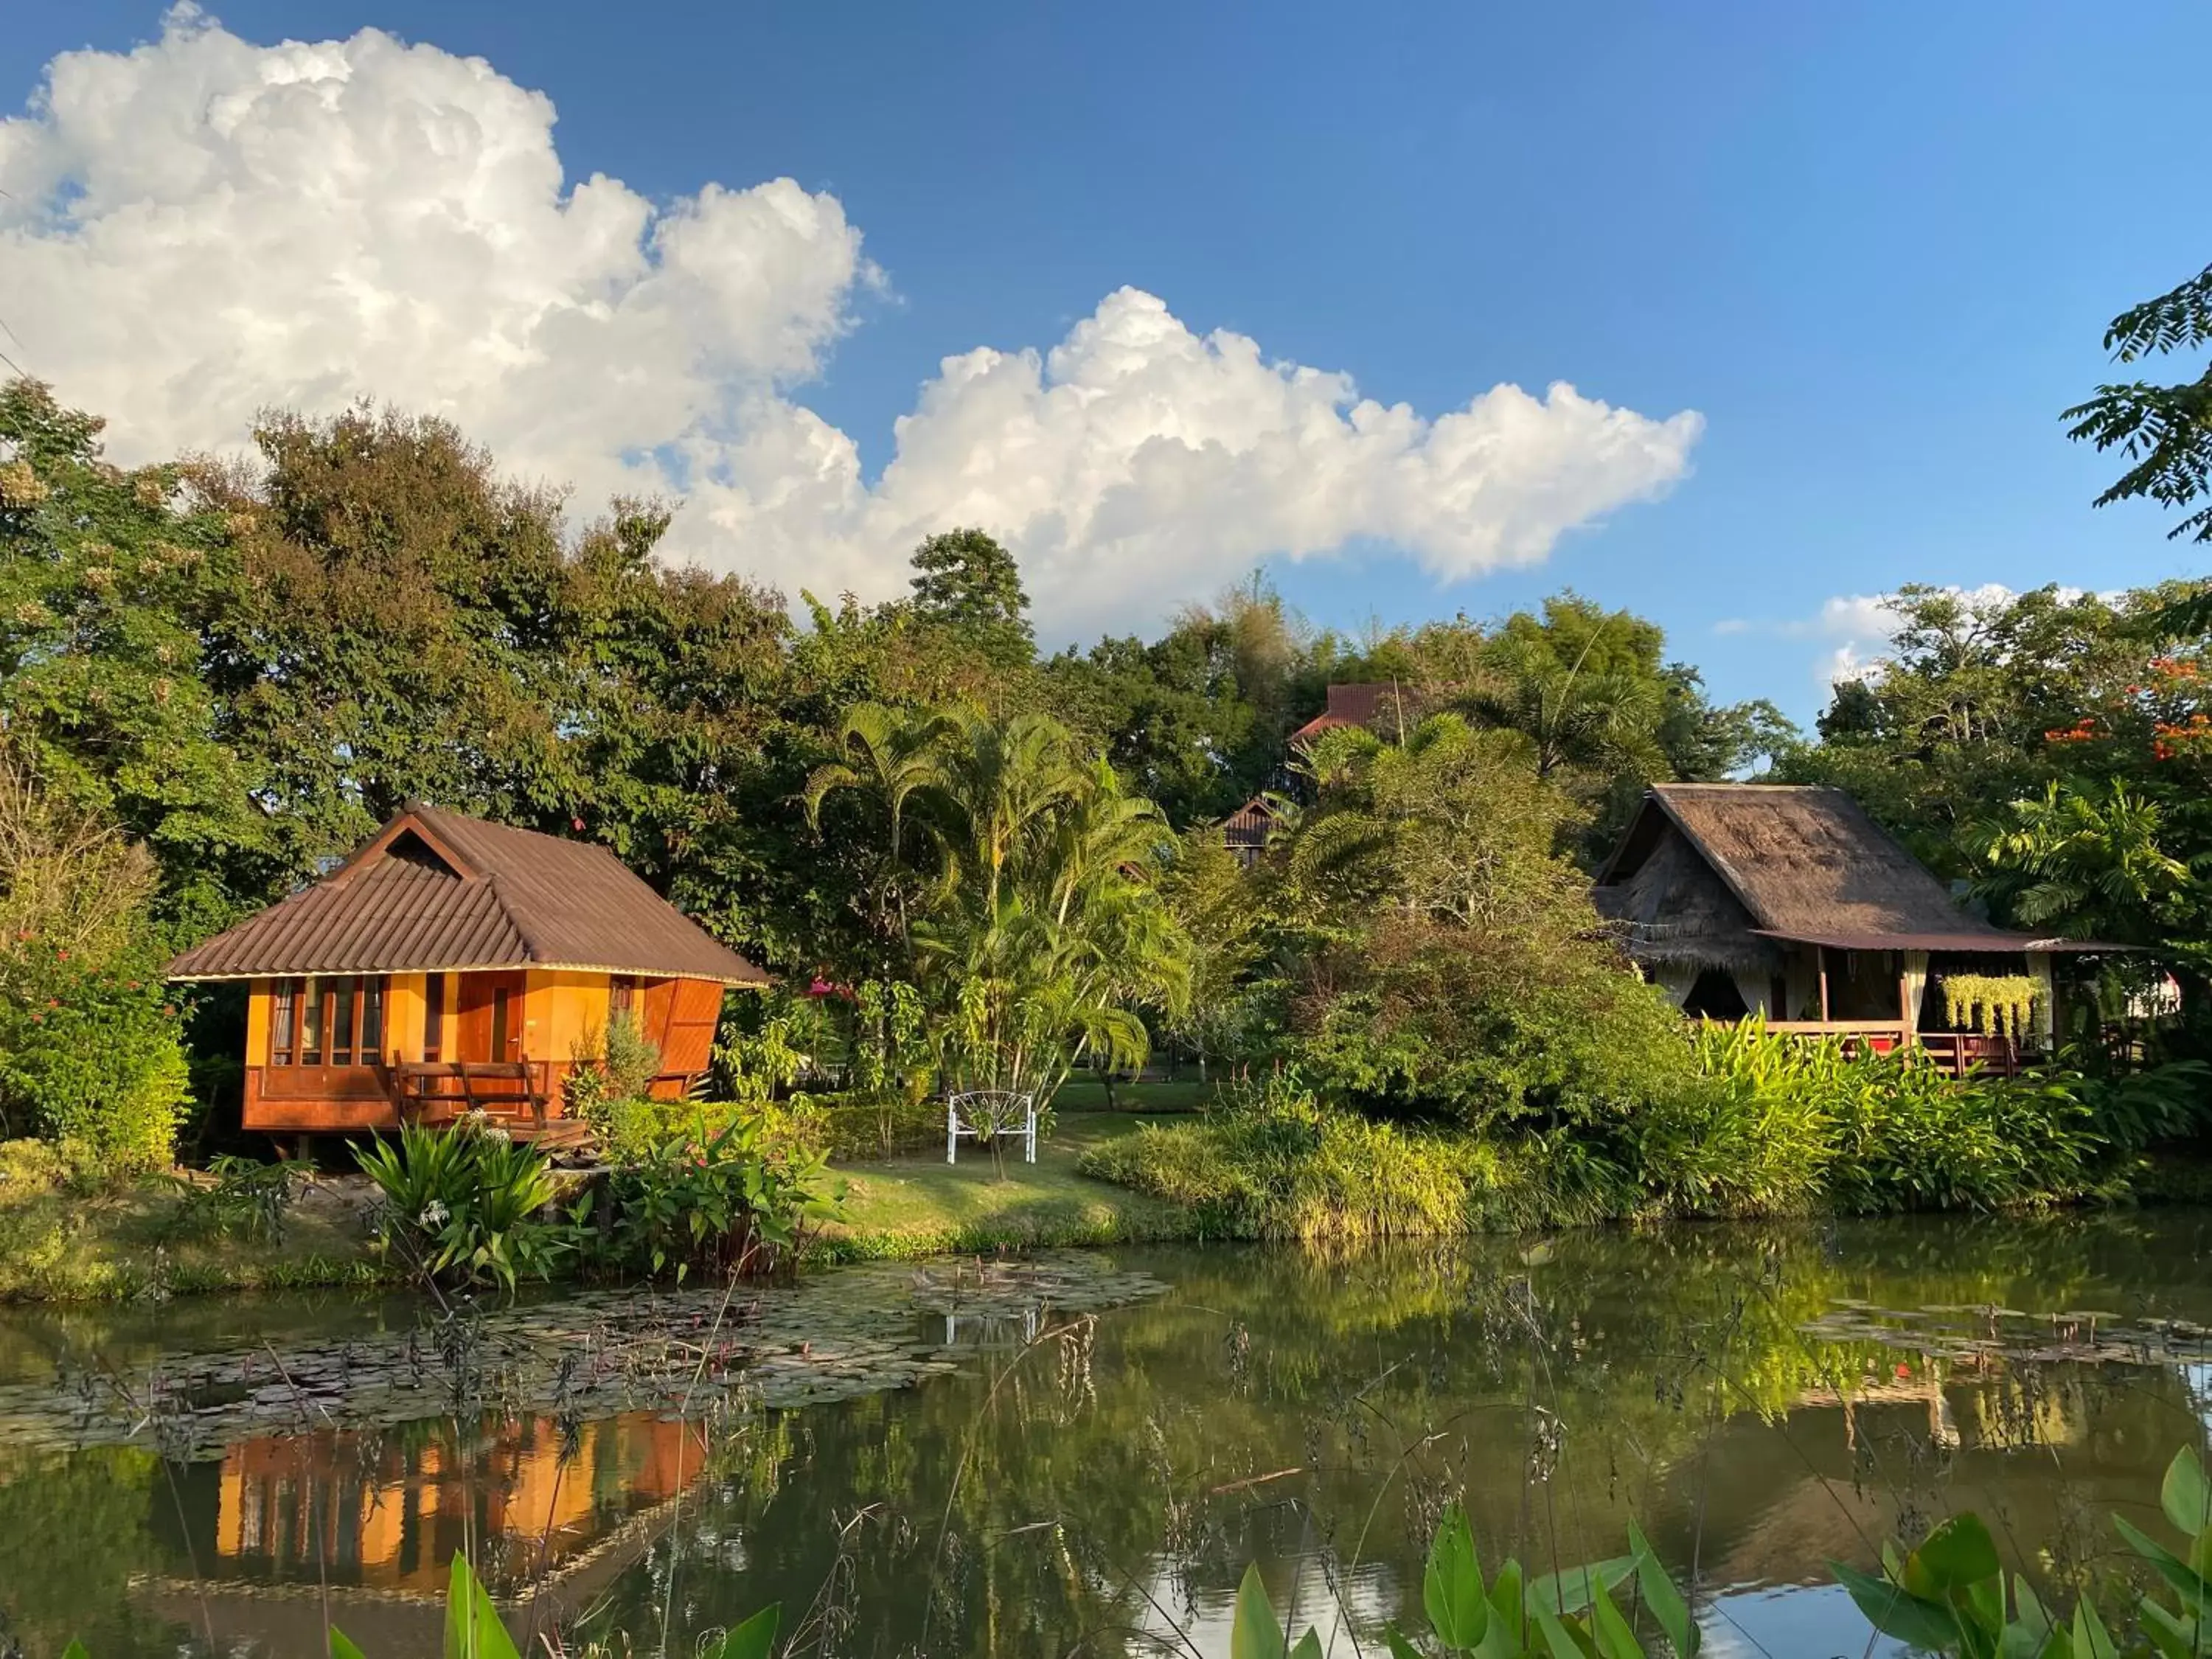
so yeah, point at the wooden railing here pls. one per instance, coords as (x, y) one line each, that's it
(431, 1091)
(1951, 1051)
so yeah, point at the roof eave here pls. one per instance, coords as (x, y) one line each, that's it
(1965, 942)
(759, 979)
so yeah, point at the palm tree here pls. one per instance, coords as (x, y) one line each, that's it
(892, 756)
(1035, 933)
(1572, 713)
(2086, 861)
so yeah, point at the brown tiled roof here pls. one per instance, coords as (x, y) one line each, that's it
(1808, 864)
(433, 891)
(1377, 705)
(1249, 825)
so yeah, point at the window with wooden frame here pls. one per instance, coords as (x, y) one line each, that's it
(621, 998)
(337, 1021)
(342, 1017)
(433, 1017)
(311, 1022)
(371, 1048)
(285, 1020)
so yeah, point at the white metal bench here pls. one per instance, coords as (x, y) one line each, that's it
(988, 1115)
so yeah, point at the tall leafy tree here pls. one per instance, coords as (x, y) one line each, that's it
(966, 581)
(108, 582)
(1443, 958)
(2163, 431)
(1981, 701)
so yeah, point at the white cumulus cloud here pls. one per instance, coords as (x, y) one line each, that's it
(1856, 632)
(203, 226)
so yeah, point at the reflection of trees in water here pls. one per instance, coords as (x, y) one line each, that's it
(1664, 1375)
(1324, 1406)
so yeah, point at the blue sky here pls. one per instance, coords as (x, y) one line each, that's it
(1874, 247)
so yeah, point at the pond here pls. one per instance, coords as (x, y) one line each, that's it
(1078, 1454)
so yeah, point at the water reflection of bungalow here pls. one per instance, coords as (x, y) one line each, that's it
(1791, 903)
(452, 962)
(376, 1512)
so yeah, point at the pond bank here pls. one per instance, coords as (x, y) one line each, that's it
(59, 1246)
(56, 1245)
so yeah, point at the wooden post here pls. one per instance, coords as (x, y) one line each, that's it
(1905, 1007)
(1823, 950)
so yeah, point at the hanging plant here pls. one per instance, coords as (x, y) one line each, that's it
(1997, 1004)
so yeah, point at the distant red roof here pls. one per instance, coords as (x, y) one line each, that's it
(1379, 706)
(435, 891)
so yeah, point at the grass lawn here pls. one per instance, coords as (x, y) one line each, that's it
(921, 1205)
(59, 1245)
(1086, 1094)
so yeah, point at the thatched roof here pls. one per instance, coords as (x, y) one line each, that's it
(1674, 910)
(1801, 863)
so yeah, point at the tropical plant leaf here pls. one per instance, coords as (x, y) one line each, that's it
(2185, 1495)
(1570, 1591)
(1563, 1641)
(2091, 1640)
(2031, 1634)
(1610, 1632)
(1508, 1615)
(1663, 1598)
(1451, 1588)
(1252, 1631)
(1957, 1555)
(342, 1646)
(755, 1637)
(472, 1627)
(1309, 1645)
(2171, 1567)
(1394, 1639)
(1895, 1612)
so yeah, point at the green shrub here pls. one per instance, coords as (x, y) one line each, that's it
(463, 1203)
(1773, 1124)
(853, 1126)
(245, 1198)
(1486, 1030)
(96, 1062)
(727, 1200)
(1276, 1164)
(609, 1069)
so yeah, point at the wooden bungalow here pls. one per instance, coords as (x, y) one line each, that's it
(453, 964)
(1245, 832)
(1791, 903)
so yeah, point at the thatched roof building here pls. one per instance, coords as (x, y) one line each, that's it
(1789, 902)
(1726, 874)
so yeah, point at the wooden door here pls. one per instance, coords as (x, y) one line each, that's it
(490, 1017)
